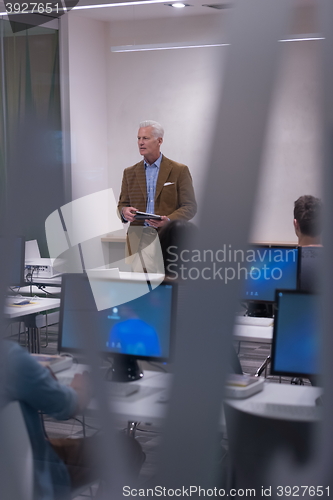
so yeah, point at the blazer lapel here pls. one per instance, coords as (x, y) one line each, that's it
(141, 179)
(164, 172)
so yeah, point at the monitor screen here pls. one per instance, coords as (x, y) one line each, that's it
(310, 259)
(267, 268)
(296, 334)
(13, 252)
(141, 328)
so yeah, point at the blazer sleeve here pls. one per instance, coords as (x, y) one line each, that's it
(186, 197)
(124, 200)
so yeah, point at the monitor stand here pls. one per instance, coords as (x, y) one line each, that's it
(124, 370)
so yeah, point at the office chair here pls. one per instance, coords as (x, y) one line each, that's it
(254, 440)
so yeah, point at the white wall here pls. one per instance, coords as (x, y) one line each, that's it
(178, 88)
(292, 157)
(112, 92)
(88, 110)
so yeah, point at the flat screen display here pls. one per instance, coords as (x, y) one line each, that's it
(141, 327)
(267, 268)
(296, 334)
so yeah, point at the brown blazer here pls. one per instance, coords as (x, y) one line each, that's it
(175, 200)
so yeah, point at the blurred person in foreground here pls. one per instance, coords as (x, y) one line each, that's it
(62, 464)
(176, 239)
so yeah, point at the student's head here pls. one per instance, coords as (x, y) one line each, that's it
(307, 219)
(174, 237)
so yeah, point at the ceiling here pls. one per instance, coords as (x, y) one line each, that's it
(149, 11)
(152, 11)
(305, 10)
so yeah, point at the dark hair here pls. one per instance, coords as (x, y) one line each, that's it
(173, 239)
(308, 212)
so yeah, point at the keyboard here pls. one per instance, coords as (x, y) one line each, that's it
(287, 412)
(252, 321)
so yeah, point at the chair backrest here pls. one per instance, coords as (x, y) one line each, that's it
(32, 250)
(16, 462)
(254, 441)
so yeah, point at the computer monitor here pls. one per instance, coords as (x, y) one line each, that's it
(310, 259)
(139, 329)
(296, 334)
(266, 269)
(16, 246)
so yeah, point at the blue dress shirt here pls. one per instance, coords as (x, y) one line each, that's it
(151, 180)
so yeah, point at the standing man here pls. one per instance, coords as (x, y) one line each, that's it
(156, 184)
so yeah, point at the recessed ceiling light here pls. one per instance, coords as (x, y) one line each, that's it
(177, 5)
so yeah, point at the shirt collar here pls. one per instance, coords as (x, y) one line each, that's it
(157, 162)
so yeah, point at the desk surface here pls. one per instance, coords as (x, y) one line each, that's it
(125, 275)
(53, 290)
(278, 394)
(113, 239)
(144, 406)
(249, 333)
(40, 305)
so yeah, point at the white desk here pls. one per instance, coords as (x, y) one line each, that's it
(33, 289)
(249, 333)
(40, 305)
(142, 406)
(31, 310)
(283, 394)
(145, 406)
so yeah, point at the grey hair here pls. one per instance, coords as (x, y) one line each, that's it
(158, 130)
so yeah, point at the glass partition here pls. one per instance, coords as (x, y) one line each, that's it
(30, 127)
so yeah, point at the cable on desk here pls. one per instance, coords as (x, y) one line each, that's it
(42, 288)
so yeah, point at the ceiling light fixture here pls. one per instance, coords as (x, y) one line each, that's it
(118, 4)
(193, 45)
(105, 5)
(303, 39)
(164, 46)
(178, 5)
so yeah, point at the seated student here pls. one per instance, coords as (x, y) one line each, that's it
(308, 226)
(59, 464)
(307, 220)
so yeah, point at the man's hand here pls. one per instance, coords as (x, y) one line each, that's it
(81, 383)
(158, 223)
(129, 213)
